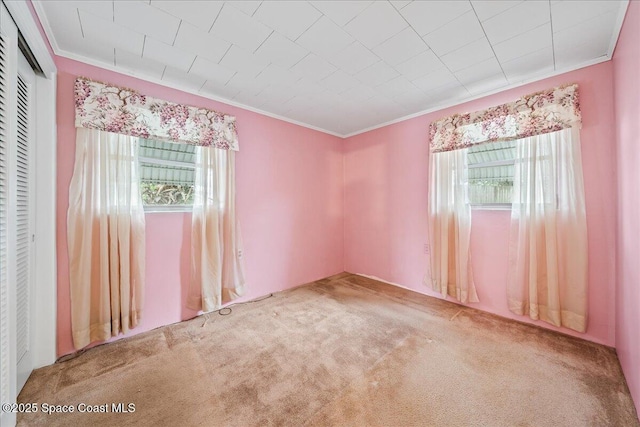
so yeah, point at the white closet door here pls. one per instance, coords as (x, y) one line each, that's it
(24, 220)
(4, 194)
(8, 120)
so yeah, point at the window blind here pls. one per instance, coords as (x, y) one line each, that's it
(166, 163)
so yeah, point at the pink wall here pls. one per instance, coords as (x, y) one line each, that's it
(626, 63)
(386, 184)
(289, 195)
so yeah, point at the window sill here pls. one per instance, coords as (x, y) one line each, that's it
(165, 209)
(492, 207)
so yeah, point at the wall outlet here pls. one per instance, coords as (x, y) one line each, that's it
(426, 248)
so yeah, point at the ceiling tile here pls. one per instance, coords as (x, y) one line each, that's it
(65, 23)
(438, 78)
(300, 104)
(275, 74)
(182, 79)
(247, 98)
(339, 81)
(240, 29)
(248, 7)
(486, 85)
(428, 16)
(359, 93)
(109, 33)
(447, 95)
(280, 50)
(313, 67)
(341, 12)
(101, 8)
(455, 34)
(276, 108)
(375, 24)
(202, 14)
(138, 65)
(524, 43)
(396, 86)
(468, 55)
(289, 18)
(237, 59)
(307, 87)
(383, 106)
(521, 18)
(217, 90)
(145, 19)
(479, 71)
(594, 31)
(414, 100)
(96, 51)
(325, 38)
(167, 54)
(420, 65)
(401, 47)
(566, 14)
(246, 83)
(523, 67)
(583, 42)
(486, 9)
(211, 71)
(399, 4)
(328, 77)
(353, 58)
(376, 74)
(194, 40)
(275, 94)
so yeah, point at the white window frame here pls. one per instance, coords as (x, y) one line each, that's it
(166, 208)
(491, 206)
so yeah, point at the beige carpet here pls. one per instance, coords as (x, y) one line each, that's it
(343, 351)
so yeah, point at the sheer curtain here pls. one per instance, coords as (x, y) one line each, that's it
(548, 248)
(106, 237)
(217, 274)
(450, 226)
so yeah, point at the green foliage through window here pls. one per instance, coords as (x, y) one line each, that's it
(155, 194)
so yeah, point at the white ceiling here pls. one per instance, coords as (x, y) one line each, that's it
(338, 66)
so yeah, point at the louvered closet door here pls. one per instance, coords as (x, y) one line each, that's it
(24, 220)
(5, 370)
(8, 72)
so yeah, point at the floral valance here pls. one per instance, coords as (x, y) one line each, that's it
(119, 110)
(535, 114)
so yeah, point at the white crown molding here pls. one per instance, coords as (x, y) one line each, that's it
(439, 107)
(28, 27)
(111, 67)
(617, 28)
(614, 38)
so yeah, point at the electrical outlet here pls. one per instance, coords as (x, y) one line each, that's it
(426, 248)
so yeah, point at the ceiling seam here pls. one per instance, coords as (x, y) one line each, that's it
(177, 31)
(80, 21)
(553, 43)
(215, 19)
(490, 44)
(437, 56)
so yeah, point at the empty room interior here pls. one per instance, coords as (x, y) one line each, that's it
(320, 213)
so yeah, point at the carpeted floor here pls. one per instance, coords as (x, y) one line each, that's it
(343, 351)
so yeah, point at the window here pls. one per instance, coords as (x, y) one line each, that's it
(490, 174)
(166, 175)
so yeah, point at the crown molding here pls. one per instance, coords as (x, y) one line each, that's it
(28, 27)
